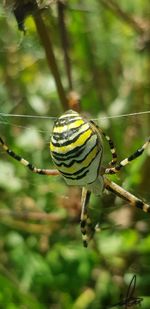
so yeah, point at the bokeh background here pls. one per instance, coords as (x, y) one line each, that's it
(93, 56)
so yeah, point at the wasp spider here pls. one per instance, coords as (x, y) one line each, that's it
(76, 150)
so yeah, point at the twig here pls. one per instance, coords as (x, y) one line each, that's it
(115, 8)
(31, 215)
(45, 38)
(64, 41)
(73, 97)
(27, 227)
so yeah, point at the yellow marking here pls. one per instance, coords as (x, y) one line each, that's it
(5, 147)
(84, 217)
(24, 162)
(77, 166)
(97, 228)
(88, 221)
(146, 207)
(84, 237)
(146, 144)
(124, 162)
(67, 127)
(77, 133)
(78, 143)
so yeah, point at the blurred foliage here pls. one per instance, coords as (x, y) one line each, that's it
(42, 261)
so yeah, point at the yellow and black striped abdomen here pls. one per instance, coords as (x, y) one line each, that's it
(76, 149)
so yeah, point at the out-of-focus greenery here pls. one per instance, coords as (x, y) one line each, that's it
(42, 261)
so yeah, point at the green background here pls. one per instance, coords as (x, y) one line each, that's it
(42, 260)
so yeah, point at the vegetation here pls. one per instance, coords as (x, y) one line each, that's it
(92, 56)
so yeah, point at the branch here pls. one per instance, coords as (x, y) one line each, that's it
(31, 215)
(73, 97)
(64, 41)
(17, 220)
(45, 38)
(115, 8)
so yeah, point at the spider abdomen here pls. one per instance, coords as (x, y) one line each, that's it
(76, 149)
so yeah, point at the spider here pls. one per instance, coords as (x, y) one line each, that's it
(76, 150)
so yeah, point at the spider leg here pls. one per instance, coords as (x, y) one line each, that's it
(125, 195)
(87, 229)
(136, 154)
(27, 163)
(112, 149)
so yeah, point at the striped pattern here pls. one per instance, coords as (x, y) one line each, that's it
(110, 142)
(76, 149)
(26, 163)
(125, 195)
(126, 161)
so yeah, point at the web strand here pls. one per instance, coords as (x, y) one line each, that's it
(53, 118)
